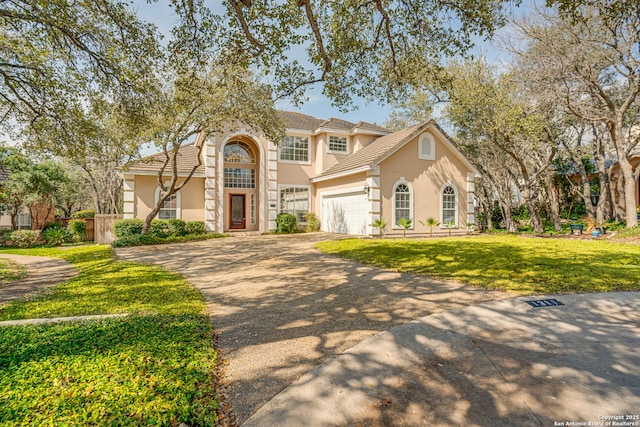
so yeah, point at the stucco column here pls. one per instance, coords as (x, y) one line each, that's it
(210, 193)
(272, 185)
(372, 180)
(471, 198)
(129, 196)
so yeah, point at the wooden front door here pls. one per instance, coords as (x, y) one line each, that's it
(237, 210)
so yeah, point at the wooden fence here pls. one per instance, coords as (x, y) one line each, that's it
(103, 228)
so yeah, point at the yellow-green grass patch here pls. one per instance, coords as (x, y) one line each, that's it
(511, 263)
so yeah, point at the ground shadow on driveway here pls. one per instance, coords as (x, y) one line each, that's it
(281, 307)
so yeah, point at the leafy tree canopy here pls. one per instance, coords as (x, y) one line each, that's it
(373, 49)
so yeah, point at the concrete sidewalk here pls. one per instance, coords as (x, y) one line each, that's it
(501, 363)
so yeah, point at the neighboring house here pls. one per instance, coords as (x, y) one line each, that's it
(42, 213)
(348, 174)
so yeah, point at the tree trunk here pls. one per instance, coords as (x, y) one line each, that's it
(629, 189)
(553, 203)
(529, 201)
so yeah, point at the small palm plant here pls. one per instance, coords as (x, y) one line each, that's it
(450, 224)
(381, 225)
(430, 222)
(405, 223)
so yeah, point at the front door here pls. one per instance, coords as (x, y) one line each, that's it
(237, 211)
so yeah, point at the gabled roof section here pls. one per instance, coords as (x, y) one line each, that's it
(293, 120)
(187, 159)
(337, 124)
(383, 147)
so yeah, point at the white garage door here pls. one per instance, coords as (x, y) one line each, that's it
(345, 213)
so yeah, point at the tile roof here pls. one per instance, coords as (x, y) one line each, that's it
(293, 120)
(337, 124)
(371, 126)
(187, 159)
(376, 150)
(301, 121)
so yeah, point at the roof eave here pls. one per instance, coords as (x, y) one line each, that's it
(342, 174)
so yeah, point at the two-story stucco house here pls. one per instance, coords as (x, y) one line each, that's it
(348, 174)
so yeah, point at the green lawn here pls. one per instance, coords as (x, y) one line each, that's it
(153, 367)
(519, 264)
(11, 271)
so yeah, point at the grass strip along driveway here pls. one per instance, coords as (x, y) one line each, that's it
(153, 367)
(519, 264)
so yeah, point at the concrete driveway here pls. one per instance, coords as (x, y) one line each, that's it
(281, 308)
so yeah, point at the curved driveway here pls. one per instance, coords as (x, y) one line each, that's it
(281, 308)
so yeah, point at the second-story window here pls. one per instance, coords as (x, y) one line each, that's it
(337, 144)
(294, 149)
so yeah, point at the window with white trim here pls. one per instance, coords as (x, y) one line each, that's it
(401, 202)
(294, 149)
(23, 221)
(337, 144)
(295, 201)
(449, 206)
(170, 209)
(426, 147)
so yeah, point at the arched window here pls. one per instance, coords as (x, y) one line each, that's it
(402, 202)
(426, 147)
(238, 152)
(171, 207)
(240, 169)
(449, 206)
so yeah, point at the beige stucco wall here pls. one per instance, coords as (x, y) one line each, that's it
(191, 198)
(426, 178)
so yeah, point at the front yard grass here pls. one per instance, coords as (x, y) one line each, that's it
(10, 271)
(518, 264)
(153, 367)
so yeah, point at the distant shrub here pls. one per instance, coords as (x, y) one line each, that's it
(89, 213)
(128, 227)
(195, 227)
(56, 236)
(56, 224)
(25, 238)
(176, 227)
(152, 240)
(78, 229)
(313, 222)
(286, 223)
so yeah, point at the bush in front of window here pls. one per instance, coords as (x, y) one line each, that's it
(177, 227)
(313, 222)
(128, 227)
(287, 223)
(159, 228)
(24, 238)
(195, 227)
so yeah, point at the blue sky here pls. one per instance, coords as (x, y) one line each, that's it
(159, 13)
